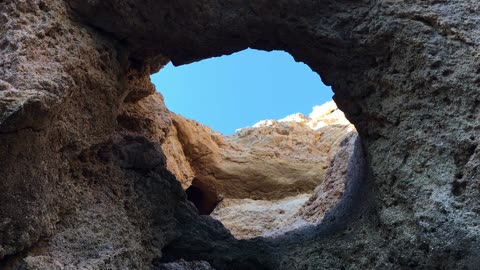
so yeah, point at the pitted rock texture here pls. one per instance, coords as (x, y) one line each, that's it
(405, 73)
(83, 180)
(183, 265)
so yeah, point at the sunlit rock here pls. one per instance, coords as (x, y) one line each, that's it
(256, 173)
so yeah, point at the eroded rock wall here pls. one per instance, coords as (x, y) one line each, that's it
(404, 72)
(83, 182)
(271, 160)
(327, 194)
(277, 164)
(255, 180)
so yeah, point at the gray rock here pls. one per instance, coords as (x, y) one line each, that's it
(405, 73)
(183, 265)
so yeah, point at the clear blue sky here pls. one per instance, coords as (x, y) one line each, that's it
(238, 90)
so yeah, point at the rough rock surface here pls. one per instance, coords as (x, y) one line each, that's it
(269, 161)
(325, 195)
(247, 218)
(405, 73)
(296, 150)
(183, 265)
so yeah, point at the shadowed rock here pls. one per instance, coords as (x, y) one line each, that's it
(73, 74)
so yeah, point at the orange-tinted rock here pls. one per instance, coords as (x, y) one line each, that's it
(259, 170)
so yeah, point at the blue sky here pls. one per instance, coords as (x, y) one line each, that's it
(238, 90)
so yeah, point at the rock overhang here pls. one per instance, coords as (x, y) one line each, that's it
(393, 67)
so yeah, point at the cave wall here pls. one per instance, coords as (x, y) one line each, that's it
(74, 109)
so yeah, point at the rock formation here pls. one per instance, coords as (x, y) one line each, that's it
(261, 175)
(269, 161)
(326, 194)
(83, 178)
(183, 265)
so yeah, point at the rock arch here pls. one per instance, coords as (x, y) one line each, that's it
(75, 96)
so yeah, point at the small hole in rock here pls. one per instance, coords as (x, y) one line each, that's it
(42, 6)
(447, 72)
(458, 187)
(436, 64)
(203, 200)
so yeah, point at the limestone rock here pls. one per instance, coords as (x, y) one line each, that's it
(153, 119)
(326, 195)
(259, 170)
(247, 218)
(270, 160)
(299, 149)
(177, 162)
(405, 73)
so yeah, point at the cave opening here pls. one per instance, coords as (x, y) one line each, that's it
(284, 170)
(238, 90)
(197, 197)
(203, 197)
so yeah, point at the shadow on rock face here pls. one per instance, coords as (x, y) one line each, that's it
(204, 200)
(405, 73)
(202, 243)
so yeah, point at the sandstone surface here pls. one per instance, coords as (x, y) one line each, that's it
(298, 150)
(83, 178)
(269, 161)
(248, 218)
(326, 195)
